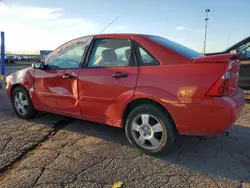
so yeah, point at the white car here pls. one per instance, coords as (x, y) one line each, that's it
(18, 58)
(25, 57)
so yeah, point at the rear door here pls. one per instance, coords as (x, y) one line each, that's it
(109, 76)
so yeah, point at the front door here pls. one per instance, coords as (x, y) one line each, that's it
(109, 77)
(56, 84)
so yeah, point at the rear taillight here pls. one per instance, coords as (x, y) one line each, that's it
(222, 86)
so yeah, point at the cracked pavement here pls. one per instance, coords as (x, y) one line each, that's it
(54, 151)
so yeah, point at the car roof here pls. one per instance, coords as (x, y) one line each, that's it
(115, 35)
(108, 35)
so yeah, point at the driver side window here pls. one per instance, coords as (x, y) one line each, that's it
(69, 55)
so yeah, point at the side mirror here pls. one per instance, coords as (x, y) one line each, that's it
(38, 65)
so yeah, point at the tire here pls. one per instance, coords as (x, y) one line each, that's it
(28, 110)
(158, 120)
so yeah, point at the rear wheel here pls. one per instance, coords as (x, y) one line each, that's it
(150, 129)
(22, 103)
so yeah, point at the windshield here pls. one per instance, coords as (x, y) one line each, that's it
(244, 47)
(185, 51)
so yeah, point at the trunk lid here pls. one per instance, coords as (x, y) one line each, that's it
(218, 58)
(232, 67)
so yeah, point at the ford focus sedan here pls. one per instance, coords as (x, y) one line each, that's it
(152, 87)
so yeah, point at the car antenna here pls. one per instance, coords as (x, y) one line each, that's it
(109, 24)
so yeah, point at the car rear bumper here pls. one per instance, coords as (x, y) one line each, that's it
(212, 116)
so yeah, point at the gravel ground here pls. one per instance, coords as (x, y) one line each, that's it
(54, 151)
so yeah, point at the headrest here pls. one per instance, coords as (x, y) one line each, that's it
(109, 55)
(127, 54)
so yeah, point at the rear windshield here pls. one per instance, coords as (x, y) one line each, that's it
(185, 51)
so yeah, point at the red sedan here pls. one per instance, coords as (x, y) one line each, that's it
(151, 86)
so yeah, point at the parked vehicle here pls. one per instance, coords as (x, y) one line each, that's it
(18, 58)
(9, 59)
(25, 58)
(243, 47)
(15, 57)
(151, 86)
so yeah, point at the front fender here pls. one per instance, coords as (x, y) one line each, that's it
(23, 78)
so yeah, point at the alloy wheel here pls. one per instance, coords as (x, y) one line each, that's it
(21, 103)
(147, 131)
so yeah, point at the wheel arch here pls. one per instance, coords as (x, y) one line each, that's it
(14, 86)
(140, 101)
(30, 111)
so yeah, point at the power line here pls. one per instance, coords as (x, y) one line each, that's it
(109, 24)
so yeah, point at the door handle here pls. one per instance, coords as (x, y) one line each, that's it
(68, 76)
(120, 75)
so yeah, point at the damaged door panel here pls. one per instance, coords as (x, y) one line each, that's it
(56, 85)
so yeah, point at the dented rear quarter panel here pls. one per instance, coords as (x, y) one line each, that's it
(183, 80)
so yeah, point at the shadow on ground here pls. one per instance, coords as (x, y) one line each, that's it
(222, 156)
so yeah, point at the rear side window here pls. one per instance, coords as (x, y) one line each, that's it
(145, 58)
(182, 50)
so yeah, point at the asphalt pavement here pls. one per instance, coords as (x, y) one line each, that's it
(55, 151)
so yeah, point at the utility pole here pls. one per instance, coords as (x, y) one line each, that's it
(206, 20)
